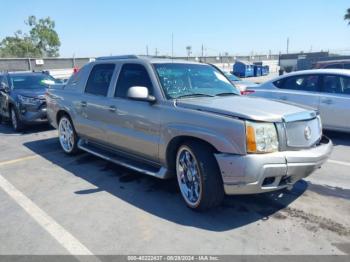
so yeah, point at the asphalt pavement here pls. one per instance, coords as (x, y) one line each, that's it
(51, 203)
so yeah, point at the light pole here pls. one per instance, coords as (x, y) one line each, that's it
(189, 51)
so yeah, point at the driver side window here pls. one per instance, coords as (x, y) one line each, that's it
(132, 75)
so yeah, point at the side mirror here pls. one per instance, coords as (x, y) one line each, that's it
(4, 87)
(140, 93)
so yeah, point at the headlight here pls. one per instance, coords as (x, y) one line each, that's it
(261, 137)
(28, 100)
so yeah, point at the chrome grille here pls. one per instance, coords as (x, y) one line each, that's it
(303, 133)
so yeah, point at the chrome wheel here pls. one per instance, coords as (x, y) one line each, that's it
(66, 135)
(188, 176)
(14, 119)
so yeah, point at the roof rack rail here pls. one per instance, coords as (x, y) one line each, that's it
(117, 57)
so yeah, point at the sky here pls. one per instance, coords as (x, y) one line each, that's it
(105, 27)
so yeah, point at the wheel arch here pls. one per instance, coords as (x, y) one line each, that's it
(61, 113)
(175, 143)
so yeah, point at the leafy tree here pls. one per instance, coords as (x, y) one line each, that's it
(347, 16)
(19, 45)
(44, 36)
(42, 40)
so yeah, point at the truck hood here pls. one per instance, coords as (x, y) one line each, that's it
(250, 108)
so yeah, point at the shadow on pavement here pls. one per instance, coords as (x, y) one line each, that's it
(338, 138)
(6, 128)
(161, 197)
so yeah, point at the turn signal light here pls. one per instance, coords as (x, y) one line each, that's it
(251, 144)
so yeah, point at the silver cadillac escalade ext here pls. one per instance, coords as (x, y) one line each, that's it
(169, 118)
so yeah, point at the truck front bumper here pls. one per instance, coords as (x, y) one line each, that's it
(259, 173)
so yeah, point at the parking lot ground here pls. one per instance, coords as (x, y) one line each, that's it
(51, 203)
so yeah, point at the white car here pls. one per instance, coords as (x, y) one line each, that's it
(326, 90)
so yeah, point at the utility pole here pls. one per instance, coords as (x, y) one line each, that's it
(156, 52)
(287, 45)
(172, 45)
(202, 51)
(73, 60)
(146, 50)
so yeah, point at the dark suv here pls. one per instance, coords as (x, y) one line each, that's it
(22, 97)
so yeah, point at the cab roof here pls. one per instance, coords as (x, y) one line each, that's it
(149, 59)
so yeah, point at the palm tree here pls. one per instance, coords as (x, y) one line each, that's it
(347, 16)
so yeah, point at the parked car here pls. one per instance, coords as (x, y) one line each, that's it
(235, 80)
(22, 97)
(242, 85)
(325, 90)
(335, 64)
(169, 118)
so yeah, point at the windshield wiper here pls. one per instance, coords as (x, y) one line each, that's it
(226, 94)
(195, 95)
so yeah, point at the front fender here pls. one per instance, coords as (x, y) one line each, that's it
(220, 141)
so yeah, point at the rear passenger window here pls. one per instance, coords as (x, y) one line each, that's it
(301, 83)
(132, 75)
(99, 79)
(336, 84)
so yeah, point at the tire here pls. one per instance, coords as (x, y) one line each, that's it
(67, 135)
(198, 176)
(16, 123)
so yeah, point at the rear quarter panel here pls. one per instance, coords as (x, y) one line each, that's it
(66, 97)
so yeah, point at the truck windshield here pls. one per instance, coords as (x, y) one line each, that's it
(34, 81)
(192, 80)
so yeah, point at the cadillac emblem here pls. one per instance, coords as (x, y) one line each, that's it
(307, 133)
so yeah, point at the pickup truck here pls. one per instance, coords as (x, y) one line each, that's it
(168, 118)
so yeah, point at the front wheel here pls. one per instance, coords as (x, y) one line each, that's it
(67, 136)
(198, 176)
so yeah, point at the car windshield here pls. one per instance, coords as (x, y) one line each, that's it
(190, 80)
(33, 81)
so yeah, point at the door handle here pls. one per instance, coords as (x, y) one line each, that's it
(83, 103)
(327, 101)
(112, 109)
(283, 98)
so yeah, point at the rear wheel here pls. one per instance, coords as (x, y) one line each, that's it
(199, 176)
(67, 135)
(17, 124)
